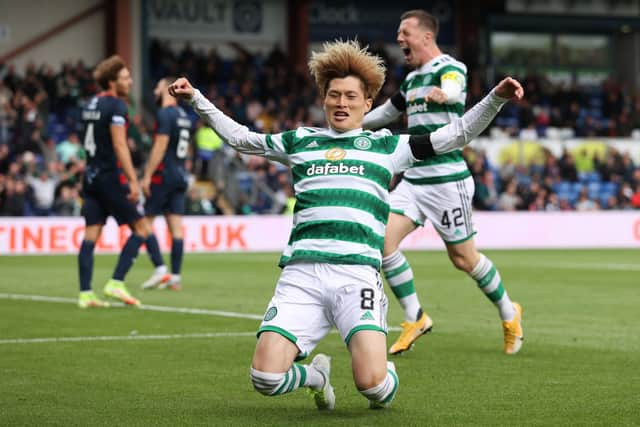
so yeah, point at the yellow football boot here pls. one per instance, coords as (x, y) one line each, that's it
(411, 331)
(513, 335)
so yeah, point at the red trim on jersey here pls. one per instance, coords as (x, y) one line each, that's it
(156, 179)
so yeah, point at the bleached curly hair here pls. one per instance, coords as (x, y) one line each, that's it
(340, 59)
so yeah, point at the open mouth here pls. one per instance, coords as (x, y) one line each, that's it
(406, 51)
(340, 115)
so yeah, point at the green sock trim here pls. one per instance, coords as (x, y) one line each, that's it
(496, 295)
(396, 382)
(484, 281)
(293, 380)
(303, 374)
(392, 273)
(404, 289)
(284, 383)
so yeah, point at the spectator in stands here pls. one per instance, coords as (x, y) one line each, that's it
(567, 164)
(635, 198)
(69, 149)
(15, 198)
(7, 114)
(43, 188)
(486, 195)
(509, 200)
(209, 157)
(67, 203)
(552, 203)
(584, 203)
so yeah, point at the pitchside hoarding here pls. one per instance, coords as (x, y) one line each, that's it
(616, 229)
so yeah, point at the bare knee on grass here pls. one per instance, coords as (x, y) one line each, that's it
(368, 358)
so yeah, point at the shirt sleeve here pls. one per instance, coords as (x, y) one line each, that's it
(381, 115)
(236, 135)
(463, 129)
(452, 86)
(164, 122)
(402, 157)
(120, 114)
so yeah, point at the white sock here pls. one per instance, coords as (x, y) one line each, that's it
(489, 281)
(385, 391)
(161, 270)
(399, 276)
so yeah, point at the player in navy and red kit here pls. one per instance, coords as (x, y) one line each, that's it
(110, 186)
(165, 182)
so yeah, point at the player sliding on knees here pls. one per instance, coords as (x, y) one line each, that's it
(331, 264)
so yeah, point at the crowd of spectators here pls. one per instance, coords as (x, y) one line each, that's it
(42, 159)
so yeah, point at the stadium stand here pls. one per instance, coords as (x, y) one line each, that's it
(41, 158)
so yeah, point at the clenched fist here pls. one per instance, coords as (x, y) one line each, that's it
(182, 89)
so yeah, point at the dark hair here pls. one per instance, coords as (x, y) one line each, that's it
(425, 20)
(107, 71)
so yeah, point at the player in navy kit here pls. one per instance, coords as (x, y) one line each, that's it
(110, 186)
(165, 182)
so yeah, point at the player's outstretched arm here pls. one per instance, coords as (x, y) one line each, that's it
(462, 130)
(233, 133)
(385, 113)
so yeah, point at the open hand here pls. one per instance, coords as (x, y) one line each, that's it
(509, 88)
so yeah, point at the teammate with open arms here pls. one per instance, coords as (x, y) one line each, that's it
(331, 264)
(165, 182)
(439, 189)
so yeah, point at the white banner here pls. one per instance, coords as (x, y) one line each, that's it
(496, 230)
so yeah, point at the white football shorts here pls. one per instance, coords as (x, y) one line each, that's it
(310, 298)
(448, 206)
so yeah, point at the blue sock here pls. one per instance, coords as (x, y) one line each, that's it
(85, 264)
(127, 256)
(176, 255)
(154, 250)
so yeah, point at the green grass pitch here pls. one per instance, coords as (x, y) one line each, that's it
(580, 363)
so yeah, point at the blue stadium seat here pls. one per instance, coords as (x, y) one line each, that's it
(576, 187)
(609, 187)
(594, 190)
(562, 187)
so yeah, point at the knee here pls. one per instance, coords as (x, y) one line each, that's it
(389, 247)
(370, 379)
(463, 262)
(266, 383)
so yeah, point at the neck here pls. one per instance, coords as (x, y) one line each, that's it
(430, 53)
(168, 101)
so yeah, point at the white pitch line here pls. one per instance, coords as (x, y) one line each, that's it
(43, 298)
(132, 337)
(186, 310)
(588, 266)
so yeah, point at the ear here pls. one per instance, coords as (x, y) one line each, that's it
(368, 104)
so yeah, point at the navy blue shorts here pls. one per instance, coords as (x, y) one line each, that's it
(165, 199)
(105, 196)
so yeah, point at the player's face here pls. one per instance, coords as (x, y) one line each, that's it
(345, 103)
(412, 39)
(123, 83)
